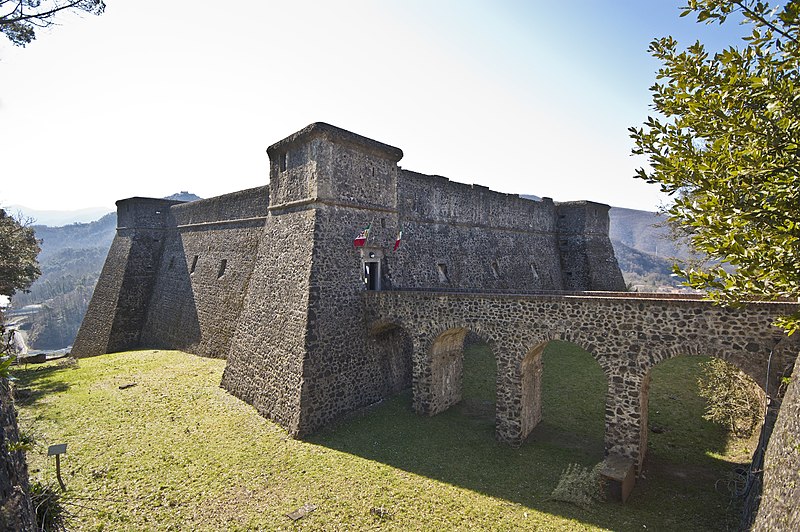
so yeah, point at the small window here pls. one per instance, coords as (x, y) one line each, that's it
(171, 263)
(441, 267)
(495, 270)
(534, 272)
(222, 265)
(284, 159)
(383, 223)
(194, 264)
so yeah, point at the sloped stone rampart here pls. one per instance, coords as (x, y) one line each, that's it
(266, 357)
(205, 267)
(779, 508)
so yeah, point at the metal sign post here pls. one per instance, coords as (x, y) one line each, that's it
(57, 451)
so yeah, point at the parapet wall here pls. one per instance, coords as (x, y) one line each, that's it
(435, 199)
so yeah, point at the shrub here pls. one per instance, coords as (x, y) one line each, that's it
(732, 398)
(47, 502)
(580, 486)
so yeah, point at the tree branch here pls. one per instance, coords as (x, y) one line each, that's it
(42, 15)
(753, 15)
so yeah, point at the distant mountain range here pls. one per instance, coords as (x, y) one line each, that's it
(57, 218)
(73, 255)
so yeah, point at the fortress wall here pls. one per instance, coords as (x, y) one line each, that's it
(341, 374)
(587, 256)
(265, 360)
(780, 499)
(94, 335)
(116, 313)
(196, 298)
(484, 239)
(249, 203)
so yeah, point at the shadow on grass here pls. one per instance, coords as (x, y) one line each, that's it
(458, 447)
(33, 382)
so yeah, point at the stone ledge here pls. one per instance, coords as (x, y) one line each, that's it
(619, 475)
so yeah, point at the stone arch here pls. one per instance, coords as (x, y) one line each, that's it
(439, 367)
(627, 433)
(393, 348)
(753, 358)
(530, 376)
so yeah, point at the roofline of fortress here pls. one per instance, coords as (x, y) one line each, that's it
(337, 135)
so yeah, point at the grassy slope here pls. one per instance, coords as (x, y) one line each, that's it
(176, 452)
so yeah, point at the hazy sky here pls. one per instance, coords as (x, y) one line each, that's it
(154, 96)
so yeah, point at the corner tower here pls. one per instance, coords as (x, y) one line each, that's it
(118, 308)
(299, 354)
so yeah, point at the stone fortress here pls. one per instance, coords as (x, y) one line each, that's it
(269, 278)
(313, 327)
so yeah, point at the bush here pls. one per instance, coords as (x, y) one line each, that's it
(51, 516)
(580, 486)
(732, 398)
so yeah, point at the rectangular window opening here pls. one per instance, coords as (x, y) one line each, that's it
(194, 264)
(222, 265)
(495, 270)
(284, 159)
(441, 267)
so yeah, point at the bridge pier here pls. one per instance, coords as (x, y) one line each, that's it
(626, 415)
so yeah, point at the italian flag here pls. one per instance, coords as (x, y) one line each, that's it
(398, 239)
(361, 239)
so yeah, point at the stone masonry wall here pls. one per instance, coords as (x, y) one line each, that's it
(587, 256)
(16, 512)
(780, 499)
(118, 308)
(205, 268)
(483, 239)
(265, 360)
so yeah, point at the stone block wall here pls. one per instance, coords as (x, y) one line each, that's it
(266, 356)
(587, 256)
(16, 512)
(468, 237)
(118, 308)
(204, 271)
(780, 499)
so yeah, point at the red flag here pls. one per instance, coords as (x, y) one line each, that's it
(361, 239)
(398, 239)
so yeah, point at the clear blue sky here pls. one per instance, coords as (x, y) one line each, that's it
(155, 97)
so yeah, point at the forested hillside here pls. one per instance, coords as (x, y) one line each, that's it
(71, 259)
(646, 249)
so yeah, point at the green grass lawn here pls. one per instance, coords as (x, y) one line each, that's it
(177, 452)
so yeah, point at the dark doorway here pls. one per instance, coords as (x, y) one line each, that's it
(372, 277)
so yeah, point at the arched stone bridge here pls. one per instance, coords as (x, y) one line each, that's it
(627, 334)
